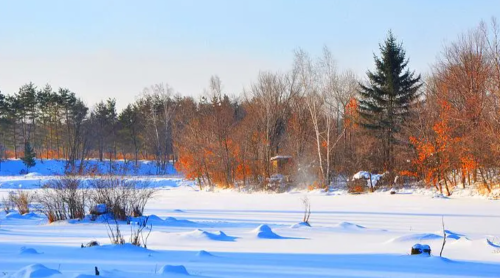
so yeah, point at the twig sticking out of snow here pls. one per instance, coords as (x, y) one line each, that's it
(444, 238)
(307, 209)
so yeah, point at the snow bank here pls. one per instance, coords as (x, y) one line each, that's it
(349, 226)
(15, 215)
(34, 271)
(417, 237)
(172, 221)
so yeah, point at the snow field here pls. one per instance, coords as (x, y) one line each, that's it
(230, 234)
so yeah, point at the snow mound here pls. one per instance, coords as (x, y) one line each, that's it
(173, 269)
(28, 251)
(201, 234)
(300, 225)
(264, 231)
(439, 196)
(175, 221)
(417, 237)
(169, 221)
(204, 254)
(34, 271)
(463, 242)
(84, 276)
(453, 235)
(350, 226)
(153, 218)
(492, 244)
(32, 174)
(15, 215)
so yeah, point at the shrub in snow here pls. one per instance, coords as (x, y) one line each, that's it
(123, 198)
(114, 233)
(22, 200)
(63, 198)
(7, 204)
(356, 187)
(140, 231)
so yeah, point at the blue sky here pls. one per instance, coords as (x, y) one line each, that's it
(101, 49)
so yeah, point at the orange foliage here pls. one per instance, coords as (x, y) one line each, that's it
(350, 113)
(407, 173)
(434, 153)
(10, 154)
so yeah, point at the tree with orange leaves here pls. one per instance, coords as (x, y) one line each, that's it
(435, 152)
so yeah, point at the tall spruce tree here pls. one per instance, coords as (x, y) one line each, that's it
(385, 103)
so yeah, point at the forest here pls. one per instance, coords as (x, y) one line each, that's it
(441, 127)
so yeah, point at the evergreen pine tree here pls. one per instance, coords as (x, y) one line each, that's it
(29, 156)
(385, 103)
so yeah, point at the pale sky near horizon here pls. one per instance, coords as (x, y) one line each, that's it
(101, 49)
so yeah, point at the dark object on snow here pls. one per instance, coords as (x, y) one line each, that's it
(418, 249)
(90, 244)
(393, 192)
(426, 249)
(82, 246)
(96, 271)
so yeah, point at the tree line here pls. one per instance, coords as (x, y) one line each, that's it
(56, 124)
(443, 128)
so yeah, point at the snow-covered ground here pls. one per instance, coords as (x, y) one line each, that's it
(230, 234)
(13, 176)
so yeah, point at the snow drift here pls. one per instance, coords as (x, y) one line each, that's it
(34, 271)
